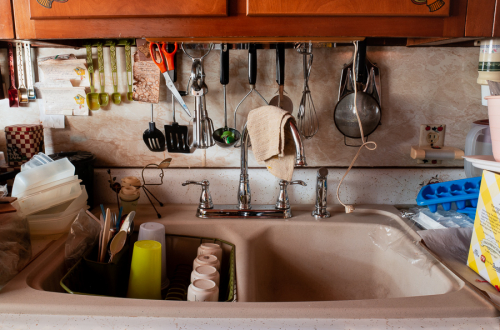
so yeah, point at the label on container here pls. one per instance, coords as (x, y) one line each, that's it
(484, 252)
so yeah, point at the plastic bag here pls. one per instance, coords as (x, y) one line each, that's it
(439, 219)
(395, 237)
(15, 246)
(3, 190)
(83, 234)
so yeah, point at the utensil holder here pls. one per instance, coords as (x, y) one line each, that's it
(90, 277)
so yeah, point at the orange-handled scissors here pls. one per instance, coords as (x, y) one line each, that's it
(167, 59)
(165, 65)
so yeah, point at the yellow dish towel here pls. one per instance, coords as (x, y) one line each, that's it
(272, 141)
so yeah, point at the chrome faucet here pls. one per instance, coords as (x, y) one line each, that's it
(244, 194)
(320, 211)
(244, 208)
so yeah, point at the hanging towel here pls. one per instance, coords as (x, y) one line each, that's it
(272, 141)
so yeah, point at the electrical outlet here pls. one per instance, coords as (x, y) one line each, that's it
(431, 135)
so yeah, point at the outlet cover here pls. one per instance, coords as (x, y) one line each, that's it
(431, 135)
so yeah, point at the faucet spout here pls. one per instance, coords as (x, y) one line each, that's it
(244, 193)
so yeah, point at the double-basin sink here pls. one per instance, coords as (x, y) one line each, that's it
(367, 264)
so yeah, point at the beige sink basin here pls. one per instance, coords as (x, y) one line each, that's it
(296, 268)
(336, 261)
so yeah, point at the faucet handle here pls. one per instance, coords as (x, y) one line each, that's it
(283, 203)
(205, 198)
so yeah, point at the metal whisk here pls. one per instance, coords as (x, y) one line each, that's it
(307, 117)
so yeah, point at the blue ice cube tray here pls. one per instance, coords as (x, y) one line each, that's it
(463, 193)
(470, 211)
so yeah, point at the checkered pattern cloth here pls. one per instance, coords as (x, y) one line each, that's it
(23, 142)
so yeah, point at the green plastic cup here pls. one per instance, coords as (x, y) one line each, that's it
(145, 271)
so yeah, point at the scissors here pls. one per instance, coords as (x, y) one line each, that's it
(167, 64)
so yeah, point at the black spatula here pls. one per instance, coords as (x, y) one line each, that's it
(177, 136)
(153, 137)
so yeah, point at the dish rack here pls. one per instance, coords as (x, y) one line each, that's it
(181, 252)
(464, 193)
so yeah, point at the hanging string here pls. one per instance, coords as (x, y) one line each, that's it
(370, 145)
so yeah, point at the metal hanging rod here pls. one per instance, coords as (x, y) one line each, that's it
(262, 43)
(76, 44)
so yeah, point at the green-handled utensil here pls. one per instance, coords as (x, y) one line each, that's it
(128, 62)
(103, 96)
(116, 97)
(92, 97)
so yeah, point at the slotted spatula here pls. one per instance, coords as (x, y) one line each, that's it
(177, 136)
(153, 137)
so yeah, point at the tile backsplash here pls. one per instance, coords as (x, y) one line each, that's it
(419, 85)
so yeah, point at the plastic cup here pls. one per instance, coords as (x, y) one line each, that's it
(210, 248)
(145, 271)
(156, 232)
(203, 290)
(206, 273)
(494, 117)
(206, 259)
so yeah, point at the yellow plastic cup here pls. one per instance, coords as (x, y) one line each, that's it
(145, 271)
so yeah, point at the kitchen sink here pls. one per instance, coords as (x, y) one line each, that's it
(297, 268)
(337, 261)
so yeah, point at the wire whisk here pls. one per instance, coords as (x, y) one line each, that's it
(307, 117)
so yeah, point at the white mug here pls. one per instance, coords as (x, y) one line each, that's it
(203, 290)
(206, 273)
(210, 248)
(206, 259)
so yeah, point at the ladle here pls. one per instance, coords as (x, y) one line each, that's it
(116, 97)
(103, 96)
(225, 137)
(128, 63)
(92, 97)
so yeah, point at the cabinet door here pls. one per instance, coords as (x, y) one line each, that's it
(496, 26)
(6, 20)
(62, 9)
(348, 8)
(480, 18)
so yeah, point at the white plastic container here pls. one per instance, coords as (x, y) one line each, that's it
(210, 248)
(47, 196)
(41, 175)
(203, 290)
(35, 161)
(206, 273)
(57, 220)
(206, 259)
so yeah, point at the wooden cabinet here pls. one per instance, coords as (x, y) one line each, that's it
(348, 8)
(32, 22)
(496, 20)
(6, 21)
(78, 9)
(480, 18)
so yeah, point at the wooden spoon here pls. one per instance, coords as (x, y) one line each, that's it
(117, 244)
